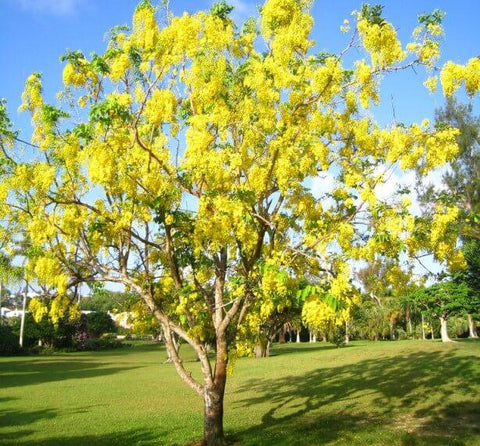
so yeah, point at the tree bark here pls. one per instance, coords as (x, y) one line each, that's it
(22, 320)
(213, 418)
(298, 336)
(262, 349)
(213, 434)
(443, 330)
(423, 328)
(471, 327)
(281, 336)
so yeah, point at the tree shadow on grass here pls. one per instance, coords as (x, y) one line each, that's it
(25, 373)
(17, 420)
(407, 399)
(307, 348)
(126, 438)
(15, 424)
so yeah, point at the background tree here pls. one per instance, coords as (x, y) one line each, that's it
(177, 164)
(9, 274)
(462, 180)
(471, 250)
(99, 323)
(462, 186)
(442, 300)
(106, 300)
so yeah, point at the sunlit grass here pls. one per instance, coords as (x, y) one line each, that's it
(405, 393)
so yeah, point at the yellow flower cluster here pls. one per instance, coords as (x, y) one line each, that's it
(285, 22)
(145, 28)
(318, 314)
(452, 76)
(381, 41)
(48, 271)
(38, 309)
(119, 66)
(367, 85)
(61, 306)
(72, 76)
(32, 95)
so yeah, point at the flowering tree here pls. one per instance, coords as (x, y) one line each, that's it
(179, 161)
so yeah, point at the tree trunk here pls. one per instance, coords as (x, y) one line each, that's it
(392, 332)
(298, 336)
(262, 349)
(423, 328)
(213, 418)
(22, 320)
(281, 336)
(471, 327)
(347, 333)
(444, 331)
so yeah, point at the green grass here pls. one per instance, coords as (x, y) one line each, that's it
(385, 393)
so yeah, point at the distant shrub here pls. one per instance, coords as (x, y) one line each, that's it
(99, 323)
(401, 334)
(102, 344)
(8, 341)
(336, 336)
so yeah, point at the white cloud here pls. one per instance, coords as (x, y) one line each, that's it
(50, 7)
(322, 184)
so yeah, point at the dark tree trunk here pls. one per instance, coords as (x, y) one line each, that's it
(213, 421)
(281, 336)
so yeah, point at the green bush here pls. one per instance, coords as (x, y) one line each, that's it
(102, 344)
(8, 341)
(98, 323)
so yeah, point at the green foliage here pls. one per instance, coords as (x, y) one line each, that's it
(5, 123)
(458, 326)
(373, 14)
(369, 321)
(99, 323)
(221, 9)
(336, 336)
(107, 111)
(442, 299)
(434, 18)
(106, 300)
(8, 341)
(101, 344)
(74, 57)
(8, 272)
(51, 115)
(462, 180)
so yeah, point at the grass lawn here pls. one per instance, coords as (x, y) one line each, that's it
(384, 393)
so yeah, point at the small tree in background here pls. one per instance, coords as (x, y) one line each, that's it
(441, 301)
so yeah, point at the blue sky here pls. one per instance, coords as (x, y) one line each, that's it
(34, 33)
